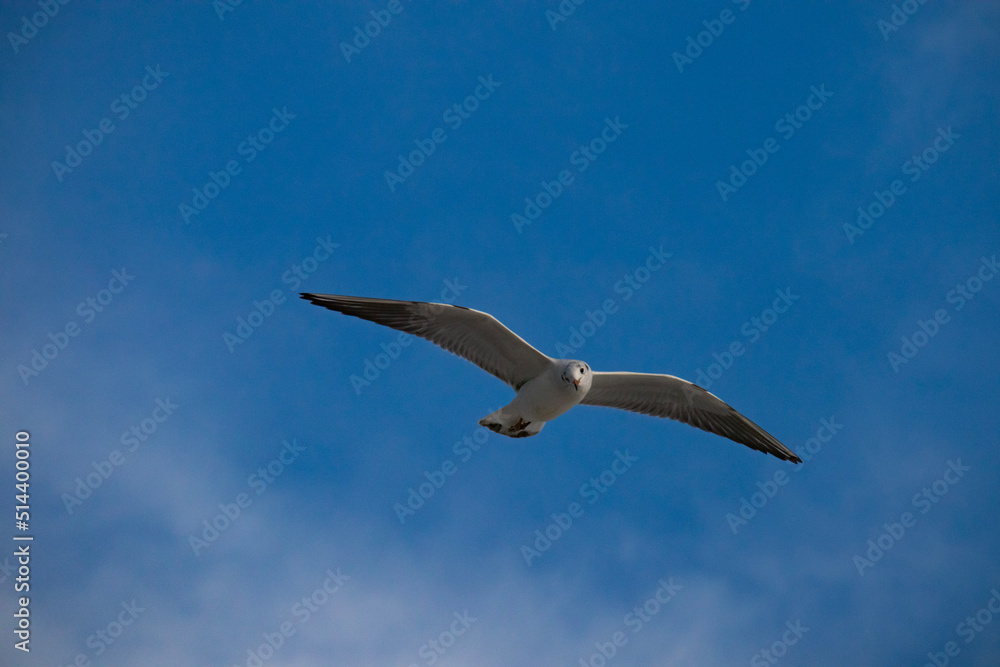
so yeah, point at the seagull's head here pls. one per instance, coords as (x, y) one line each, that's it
(577, 374)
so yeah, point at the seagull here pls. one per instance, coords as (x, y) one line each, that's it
(547, 387)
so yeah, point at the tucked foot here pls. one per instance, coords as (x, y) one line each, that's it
(512, 426)
(493, 426)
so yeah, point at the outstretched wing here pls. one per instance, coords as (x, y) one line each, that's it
(674, 398)
(471, 334)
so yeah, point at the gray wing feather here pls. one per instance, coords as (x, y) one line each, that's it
(471, 334)
(674, 398)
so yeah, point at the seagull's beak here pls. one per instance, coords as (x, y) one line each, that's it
(576, 383)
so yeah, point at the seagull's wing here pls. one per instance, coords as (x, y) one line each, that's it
(668, 396)
(471, 334)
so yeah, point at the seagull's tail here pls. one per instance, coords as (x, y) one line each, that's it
(510, 425)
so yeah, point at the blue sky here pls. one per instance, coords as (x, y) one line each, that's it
(209, 485)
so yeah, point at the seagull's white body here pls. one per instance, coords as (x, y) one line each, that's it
(546, 387)
(540, 400)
